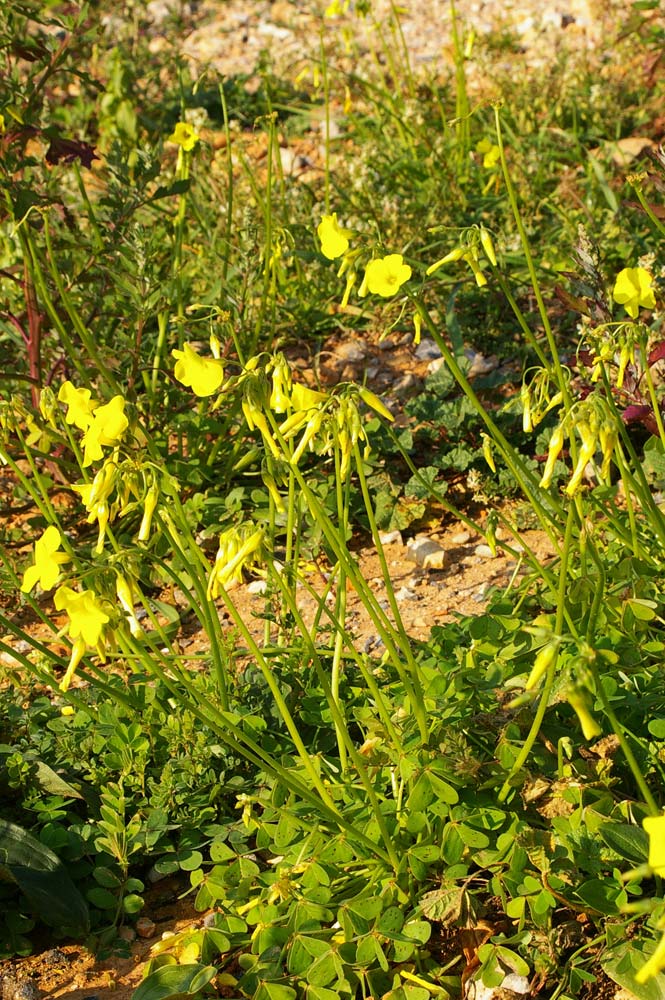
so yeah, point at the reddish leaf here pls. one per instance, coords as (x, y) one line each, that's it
(657, 354)
(67, 150)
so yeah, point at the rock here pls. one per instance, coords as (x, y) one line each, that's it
(404, 385)
(427, 350)
(485, 551)
(513, 986)
(350, 352)
(15, 988)
(257, 587)
(434, 366)
(127, 934)
(461, 538)
(391, 538)
(54, 958)
(154, 875)
(479, 364)
(426, 552)
(406, 594)
(145, 927)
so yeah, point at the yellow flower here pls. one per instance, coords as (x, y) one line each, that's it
(632, 289)
(334, 239)
(490, 153)
(79, 405)
(202, 375)
(386, 275)
(303, 398)
(108, 425)
(86, 622)
(237, 548)
(48, 560)
(655, 827)
(184, 135)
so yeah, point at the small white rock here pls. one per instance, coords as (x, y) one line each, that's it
(391, 538)
(406, 594)
(257, 587)
(427, 553)
(461, 538)
(485, 551)
(475, 990)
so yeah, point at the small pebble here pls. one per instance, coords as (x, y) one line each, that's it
(145, 927)
(485, 551)
(127, 934)
(427, 350)
(461, 538)
(404, 385)
(257, 587)
(210, 919)
(512, 984)
(406, 594)
(391, 538)
(434, 366)
(154, 875)
(479, 364)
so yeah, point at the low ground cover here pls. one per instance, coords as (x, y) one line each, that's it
(403, 818)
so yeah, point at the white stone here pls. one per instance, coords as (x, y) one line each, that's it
(427, 553)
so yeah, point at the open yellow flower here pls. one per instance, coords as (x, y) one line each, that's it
(80, 406)
(185, 136)
(46, 567)
(632, 289)
(334, 239)
(490, 153)
(386, 275)
(655, 828)
(87, 619)
(202, 375)
(108, 425)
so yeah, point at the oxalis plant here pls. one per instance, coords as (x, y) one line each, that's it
(393, 793)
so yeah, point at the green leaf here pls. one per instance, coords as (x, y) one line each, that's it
(274, 991)
(42, 879)
(102, 898)
(628, 841)
(132, 903)
(390, 922)
(302, 950)
(603, 895)
(220, 851)
(174, 981)
(442, 790)
(189, 861)
(621, 964)
(422, 794)
(106, 878)
(323, 970)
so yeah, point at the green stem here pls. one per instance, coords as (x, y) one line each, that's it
(532, 735)
(510, 190)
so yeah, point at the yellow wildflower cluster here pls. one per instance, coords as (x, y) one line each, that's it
(383, 276)
(596, 427)
(475, 244)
